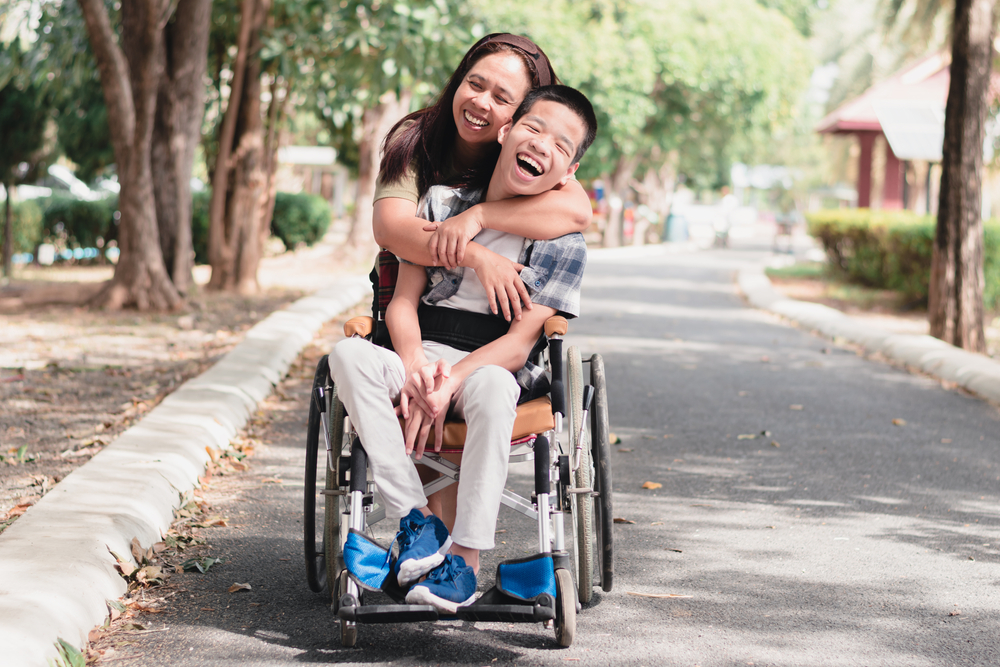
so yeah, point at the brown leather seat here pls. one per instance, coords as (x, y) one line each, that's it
(533, 417)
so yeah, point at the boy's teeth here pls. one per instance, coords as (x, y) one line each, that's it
(527, 159)
(475, 121)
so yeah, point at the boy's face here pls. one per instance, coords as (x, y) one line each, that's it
(538, 150)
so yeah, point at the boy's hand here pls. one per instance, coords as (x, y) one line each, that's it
(502, 281)
(449, 239)
(431, 410)
(422, 380)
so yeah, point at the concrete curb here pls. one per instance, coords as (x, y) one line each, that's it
(974, 372)
(55, 569)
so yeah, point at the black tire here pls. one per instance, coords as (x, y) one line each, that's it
(334, 529)
(316, 570)
(600, 442)
(565, 608)
(582, 504)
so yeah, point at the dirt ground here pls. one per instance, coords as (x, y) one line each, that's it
(72, 379)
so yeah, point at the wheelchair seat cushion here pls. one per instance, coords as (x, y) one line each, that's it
(532, 418)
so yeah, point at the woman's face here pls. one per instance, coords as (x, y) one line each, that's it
(488, 97)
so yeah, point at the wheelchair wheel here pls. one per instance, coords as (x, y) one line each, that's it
(565, 608)
(601, 446)
(334, 529)
(582, 503)
(316, 567)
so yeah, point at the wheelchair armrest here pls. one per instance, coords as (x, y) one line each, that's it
(358, 326)
(556, 325)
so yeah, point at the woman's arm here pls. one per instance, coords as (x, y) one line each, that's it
(397, 228)
(542, 217)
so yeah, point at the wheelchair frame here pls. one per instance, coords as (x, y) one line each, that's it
(580, 476)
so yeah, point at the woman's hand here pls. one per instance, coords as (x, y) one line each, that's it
(449, 238)
(502, 281)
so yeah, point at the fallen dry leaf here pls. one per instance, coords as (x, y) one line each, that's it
(794, 407)
(619, 519)
(899, 422)
(746, 436)
(614, 439)
(272, 480)
(658, 595)
(625, 450)
(652, 485)
(775, 443)
(239, 587)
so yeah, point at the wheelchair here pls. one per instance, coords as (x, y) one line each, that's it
(571, 483)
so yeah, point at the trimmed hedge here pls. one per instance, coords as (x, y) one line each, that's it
(892, 249)
(300, 218)
(27, 225)
(78, 222)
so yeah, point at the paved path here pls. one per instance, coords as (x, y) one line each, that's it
(817, 507)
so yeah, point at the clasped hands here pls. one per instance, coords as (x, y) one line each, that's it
(423, 402)
(500, 276)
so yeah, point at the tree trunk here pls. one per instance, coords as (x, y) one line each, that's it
(956, 288)
(129, 79)
(177, 130)
(239, 179)
(377, 122)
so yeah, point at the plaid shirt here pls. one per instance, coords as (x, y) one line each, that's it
(553, 272)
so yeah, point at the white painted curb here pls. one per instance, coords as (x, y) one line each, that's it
(55, 569)
(975, 372)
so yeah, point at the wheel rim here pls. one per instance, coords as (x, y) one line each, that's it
(582, 504)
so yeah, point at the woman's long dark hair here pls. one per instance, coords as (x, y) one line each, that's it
(429, 140)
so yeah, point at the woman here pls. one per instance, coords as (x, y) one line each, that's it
(457, 137)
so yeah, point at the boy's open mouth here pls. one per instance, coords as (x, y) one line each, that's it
(528, 164)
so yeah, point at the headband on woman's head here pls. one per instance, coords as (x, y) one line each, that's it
(530, 49)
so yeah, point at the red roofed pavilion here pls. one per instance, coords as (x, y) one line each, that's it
(913, 98)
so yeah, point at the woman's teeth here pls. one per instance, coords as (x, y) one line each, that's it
(475, 121)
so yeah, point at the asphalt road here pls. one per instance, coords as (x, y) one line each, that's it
(818, 508)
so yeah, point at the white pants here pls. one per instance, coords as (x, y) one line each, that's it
(369, 379)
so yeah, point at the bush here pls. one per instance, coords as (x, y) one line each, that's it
(892, 249)
(27, 225)
(77, 222)
(300, 218)
(200, 202)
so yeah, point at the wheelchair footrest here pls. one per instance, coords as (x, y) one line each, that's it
(492, 606)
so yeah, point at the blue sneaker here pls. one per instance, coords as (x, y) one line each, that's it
(423, 541)
(449, 586)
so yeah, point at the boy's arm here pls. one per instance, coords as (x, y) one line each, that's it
(542, 217)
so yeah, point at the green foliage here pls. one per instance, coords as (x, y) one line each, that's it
(200, 201)
(892, 249)
(710, 79)
(23, 109)
(78, 223)
(27, 220)
(300, 218)
(82, 121)
(68, 655)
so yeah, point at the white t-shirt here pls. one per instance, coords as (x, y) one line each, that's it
(471, 294)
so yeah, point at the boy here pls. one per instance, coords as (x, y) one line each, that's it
(541, 148)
